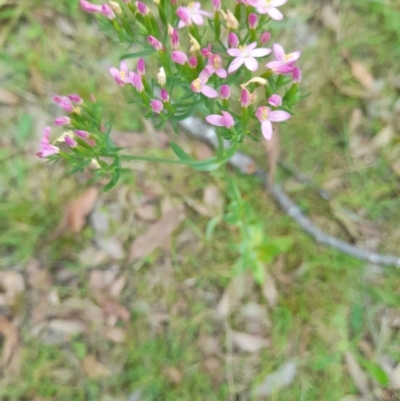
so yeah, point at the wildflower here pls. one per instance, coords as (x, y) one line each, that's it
(226, 120)
(214, 66)
(193, 62)
(195, 48)
(157, 106)
(75, 98)
(141, 67)
(296, 74)
(115, 7)
(161, 77)
(68, 138)
(142, 8)
(245, 99)
(275, 100)
(62, 121)
(136, 81)
(269, 7)
(265, 37)
(230, 19)
(191, 13)
(173, 34)
(82, 134)
(155, 43)
(107, 11)
(246, 55)
(216, 5)
(64, 102)
(179, 57)
(266, 117)
(164, 95)
(233, 40)
(284, 62)
(46, 148)
(89, 7)
(206, 52)
(199, 85)
(225, 92)
(120, 76)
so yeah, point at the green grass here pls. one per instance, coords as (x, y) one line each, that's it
(326, 306)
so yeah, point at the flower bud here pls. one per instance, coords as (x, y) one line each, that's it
(179, 57)
(107, 11)
(245, 98)
(161, 77)
(116, 7)
(216, 5)
(206, 52)
(193, 62)
(173, 34)
(142, 8)
(233, 40)
(164, 95)
(253, 20)
(155, 43)
(75, 98)
(82, 134)
(275, 100)
(62, 121)
(184, 15)
(157, 106)
(225, 92)
(141, 67)
(195, 48)
(230, 19)
(296, 75)
(265, 37)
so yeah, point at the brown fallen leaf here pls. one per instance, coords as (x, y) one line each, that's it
(156, 234)
(77, 211)
(270, 291)
(8, 98)
(10, 358)
(12, 285)
(67, 327)
(330, 18)
(209, 346)
(383, 137)
(249, 343)
(174, 376)
(93, 368)
(112, 309)
(214, 368)
(355, 121)
(272, 149)
(359, 71)
(115, 334)
(360, 379)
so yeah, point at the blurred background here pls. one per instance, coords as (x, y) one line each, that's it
(121, 296)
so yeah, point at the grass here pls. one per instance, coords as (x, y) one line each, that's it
(328, 303)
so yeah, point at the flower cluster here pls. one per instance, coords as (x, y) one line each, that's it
(210, 62)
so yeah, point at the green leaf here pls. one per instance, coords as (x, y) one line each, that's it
(142, 53)
(182, 155)
(211, 226)
(376, 372)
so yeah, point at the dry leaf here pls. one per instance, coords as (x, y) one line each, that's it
(67, 327)
(283, 377)
(156, 234)
(112, 309)
(77, 211)
(100, 280)
(270, 291)
(330, 18)
(249, 343)
(355, 121)
(93, 368)
(11, 285)
(10, 358)
(383, 138)
(147, 212)
(237, 289)
(209, 345)
(360, 72)
(117, 286)
(8, 98)
(115, 334)
(213, 366)
(395, 378)
(360, 379)
(173, 375)
(272, 149)
(213, 200)
(111, 246)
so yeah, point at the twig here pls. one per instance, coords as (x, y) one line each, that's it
(245, 164)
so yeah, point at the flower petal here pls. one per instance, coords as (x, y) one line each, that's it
(204, 75)
(266, 129)
(198, 19)
(221, 72)
(214, 119)
(295, 56)
(209, 92)
(234, 52)
(278, 115)
(261, 52)
(275, 14)
(251, 46)
(236, 64)
(251, 63)
(277, 3)
(279, 52)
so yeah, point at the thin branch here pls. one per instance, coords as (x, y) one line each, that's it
(246, 165)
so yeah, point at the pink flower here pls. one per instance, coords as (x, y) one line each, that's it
(142, 8)
(233, 40)
(275, 100)
(253, 20)
(164, 95)
(268, 7)
(265, 37)
(174, 39)
(141, 67)
(46, 148)
(245, 98)
(157, 106)
(155, 43)
(193, 62)
(136, 81)
(226, 120)
(206, 52)
(225, 92)
(214, 66)
(82, 134)
(296, 74)
(266, 117)
(284, 63)
(75, 98)
(70, 141)
(192, 13)
(216, 5)
(89, 7)
(246, 55)
(62, 121)
(199, 85)
(107, 11)
(120, 76)
(179, 57)
(64, 102)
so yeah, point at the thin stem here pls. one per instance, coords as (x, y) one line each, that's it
(152, 159)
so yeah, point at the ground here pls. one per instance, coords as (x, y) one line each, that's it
(83, 319)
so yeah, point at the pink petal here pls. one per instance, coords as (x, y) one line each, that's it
(251, 46)
(277, 3)
(251, 63)
(266, 129)
(198, 19)
(227, 119)
(214, 119)
(278, 116)
(261, 52)
(209, 92)
(205, 13)
(221, 73)
(279, 52)
(275, 100)
(124, 67)
(295, 56)
(181, 24)
(275, 14)
(236, 64)
(204, 75)
(234, 52)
